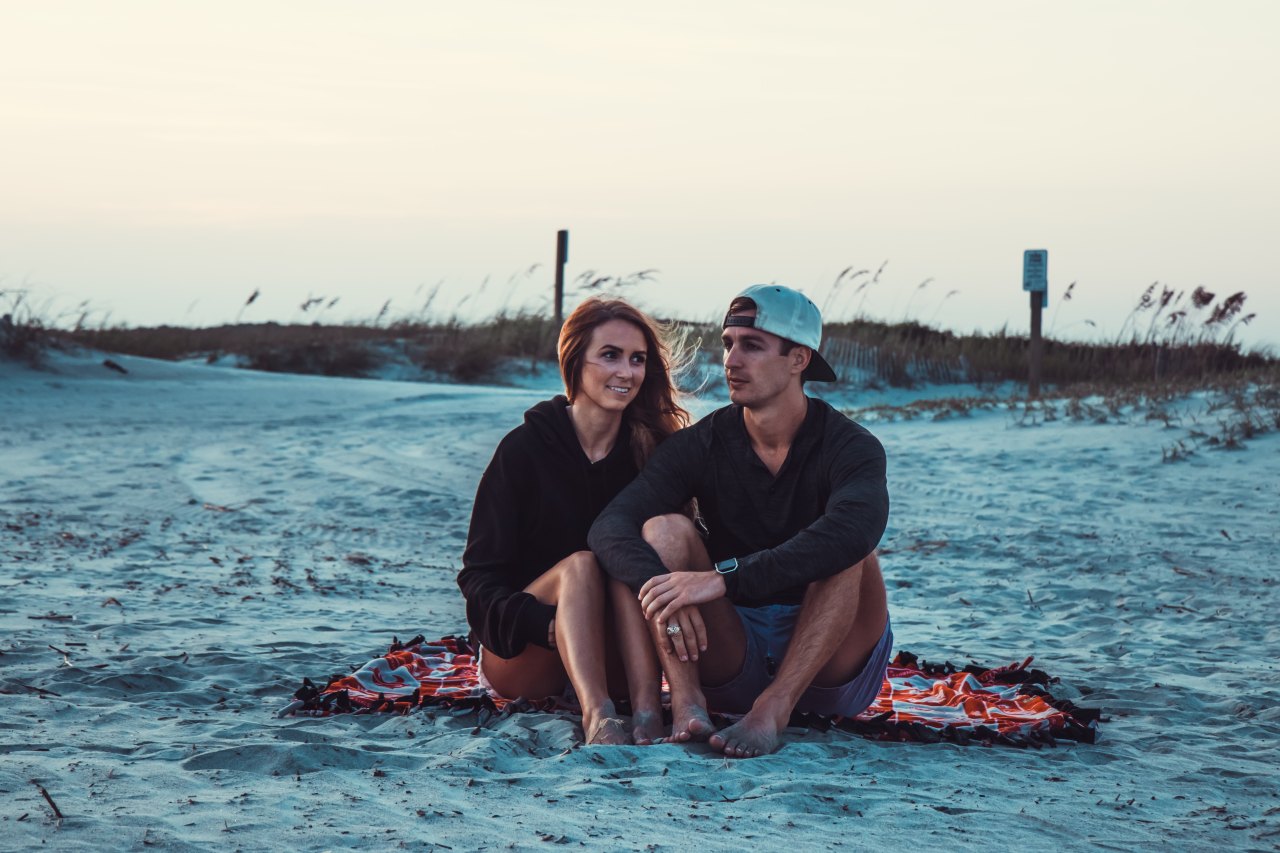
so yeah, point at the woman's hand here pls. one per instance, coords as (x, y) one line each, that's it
(692, 636)
(662, 595)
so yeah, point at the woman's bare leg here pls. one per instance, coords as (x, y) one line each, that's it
(576, 587)
(581, 642)
(644, 678)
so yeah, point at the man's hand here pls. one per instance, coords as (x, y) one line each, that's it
(662, 595)
(551, 634)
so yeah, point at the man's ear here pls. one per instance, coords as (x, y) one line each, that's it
(800, 358)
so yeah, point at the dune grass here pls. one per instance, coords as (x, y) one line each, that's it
(449, 350)
(1168, 337)
(904, 354)
(862, 352)
(23, 331)
(1164, 360)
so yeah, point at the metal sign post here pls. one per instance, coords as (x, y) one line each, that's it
(1035, 280)
(562, 258)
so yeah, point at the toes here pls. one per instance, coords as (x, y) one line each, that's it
(700, 728)
(732, 747)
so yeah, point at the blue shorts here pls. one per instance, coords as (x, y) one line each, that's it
(769, 631)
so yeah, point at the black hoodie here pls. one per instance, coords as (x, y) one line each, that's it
(534, 506)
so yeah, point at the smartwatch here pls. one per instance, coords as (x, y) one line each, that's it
(728, 566)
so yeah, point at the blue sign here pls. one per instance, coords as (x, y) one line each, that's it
(1035, 273)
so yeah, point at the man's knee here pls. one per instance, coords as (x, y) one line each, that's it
(857, 571)
(665, 529)
(861, 583)
(868, 565)
(676, 541)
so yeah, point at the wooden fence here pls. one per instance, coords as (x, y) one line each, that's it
(898, 366)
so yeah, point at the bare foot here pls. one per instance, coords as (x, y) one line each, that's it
(689, 722)
(605, 731)
(753, 735)
(646, 727)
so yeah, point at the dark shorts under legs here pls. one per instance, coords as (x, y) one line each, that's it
(769, 631)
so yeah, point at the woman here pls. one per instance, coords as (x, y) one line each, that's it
(537, 601)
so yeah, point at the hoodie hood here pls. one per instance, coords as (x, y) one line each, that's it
(550, 424)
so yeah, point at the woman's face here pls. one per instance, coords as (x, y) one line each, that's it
(613, 366)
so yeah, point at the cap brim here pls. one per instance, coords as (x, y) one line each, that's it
(818, 369)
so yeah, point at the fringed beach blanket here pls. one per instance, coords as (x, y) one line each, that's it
(918, 701)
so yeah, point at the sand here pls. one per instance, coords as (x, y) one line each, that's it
(181, 544)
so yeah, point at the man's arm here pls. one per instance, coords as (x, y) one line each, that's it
(849, 529)
(664, 486)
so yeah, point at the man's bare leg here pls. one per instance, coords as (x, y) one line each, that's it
(644, 677)
(841, 620)
(680, 548)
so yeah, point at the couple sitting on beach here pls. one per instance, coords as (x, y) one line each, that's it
(612, 542)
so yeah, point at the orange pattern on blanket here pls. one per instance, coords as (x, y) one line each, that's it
(958, 699)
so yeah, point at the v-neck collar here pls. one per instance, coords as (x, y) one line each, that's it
(741, 440)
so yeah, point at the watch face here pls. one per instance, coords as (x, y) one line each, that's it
(726, 566)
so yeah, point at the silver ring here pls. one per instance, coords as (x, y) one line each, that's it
(673, 630)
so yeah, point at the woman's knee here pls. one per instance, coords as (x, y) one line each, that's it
(578, 570)
(581, 567)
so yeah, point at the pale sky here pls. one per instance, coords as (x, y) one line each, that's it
(163, 160)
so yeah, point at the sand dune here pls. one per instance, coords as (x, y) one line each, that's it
(181, 544)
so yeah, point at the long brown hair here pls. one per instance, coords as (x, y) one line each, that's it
(655, 414)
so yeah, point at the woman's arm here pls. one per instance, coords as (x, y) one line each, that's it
(502, 616)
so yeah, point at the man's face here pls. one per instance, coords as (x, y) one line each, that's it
(754, 366)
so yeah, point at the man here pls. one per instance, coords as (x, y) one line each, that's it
(780, 606)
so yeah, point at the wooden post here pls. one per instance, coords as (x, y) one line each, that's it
(562, 257)
(1037, 346)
